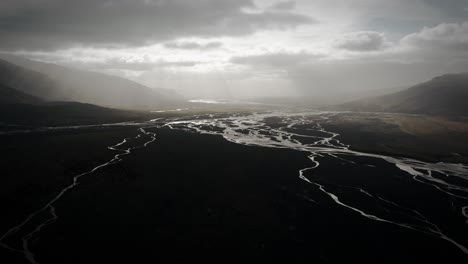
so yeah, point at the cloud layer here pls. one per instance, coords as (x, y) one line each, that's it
(254, 46)
(189, 45)
(50, 24)
(444, 36)
(362, 41)
(280, 59)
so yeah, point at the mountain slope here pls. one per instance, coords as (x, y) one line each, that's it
(11, 96)
(21, 102)
(18, 108)
(96, 88)
(28, 81)
(443, 95)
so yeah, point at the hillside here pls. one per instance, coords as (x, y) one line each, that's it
(29, 82)
(67, 84)
(11, 96)
(445, 95)
(63, 114)
(18, 105)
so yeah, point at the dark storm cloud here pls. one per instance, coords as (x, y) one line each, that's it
(50, 24)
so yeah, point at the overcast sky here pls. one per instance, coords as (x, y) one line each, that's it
(245, 48)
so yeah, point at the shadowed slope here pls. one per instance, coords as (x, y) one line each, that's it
(90, 87)
(443, 95)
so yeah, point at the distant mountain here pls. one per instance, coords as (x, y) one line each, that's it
(18, 108)
(345, 97)
(11, 96)
(56, 83)
(21, 102)
(29, 82)
(444, 95)
(323, 101)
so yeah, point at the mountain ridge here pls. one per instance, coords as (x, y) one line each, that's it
(9, 95)
(445, 95)
(69, 84)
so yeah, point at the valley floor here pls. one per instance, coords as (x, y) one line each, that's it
(230, 188)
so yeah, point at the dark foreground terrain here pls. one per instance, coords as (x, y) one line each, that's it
(229, 188)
